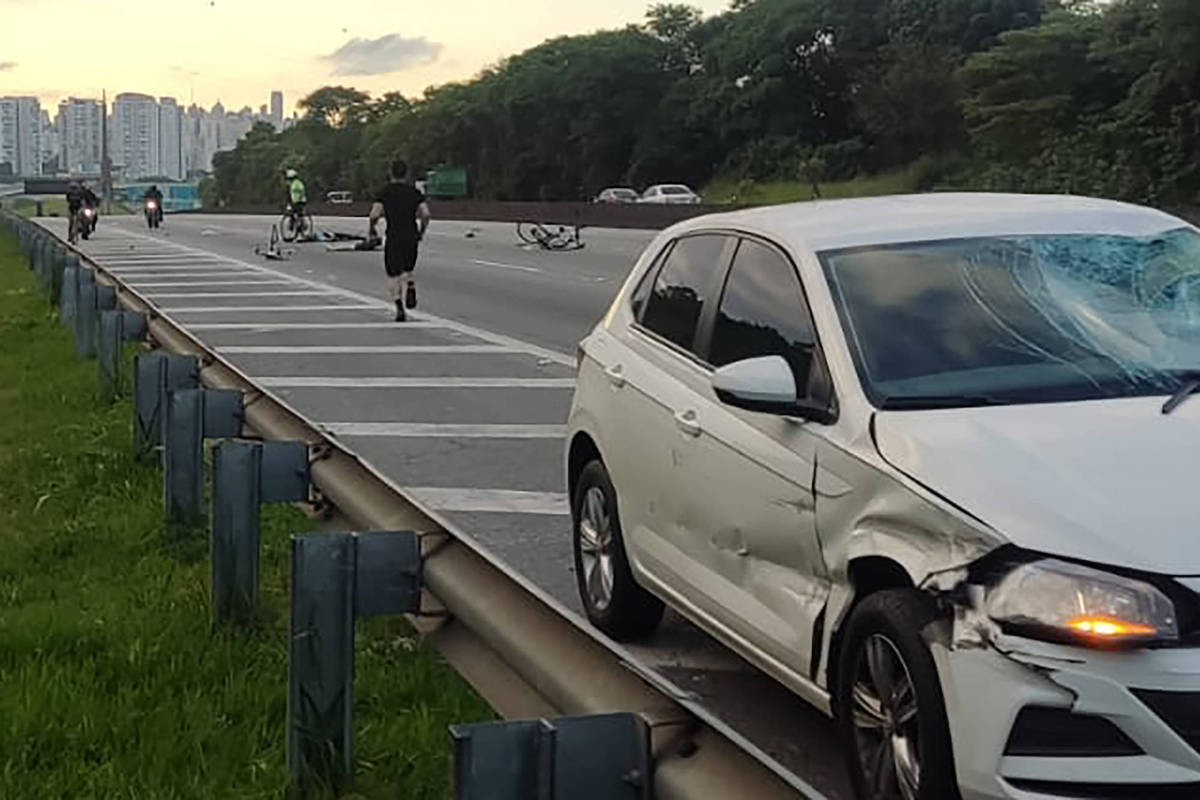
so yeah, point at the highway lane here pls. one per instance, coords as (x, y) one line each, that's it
(463, 406)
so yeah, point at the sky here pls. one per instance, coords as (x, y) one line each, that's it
(237, 51)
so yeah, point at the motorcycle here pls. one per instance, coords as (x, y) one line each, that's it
(153, 214)
(85, 221)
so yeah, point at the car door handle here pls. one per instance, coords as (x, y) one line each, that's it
(616, 375)
(686, 421)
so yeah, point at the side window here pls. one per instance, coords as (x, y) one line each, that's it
(677, 299)
(638, 300)
(762, 312)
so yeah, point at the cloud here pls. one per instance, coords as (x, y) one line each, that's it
(390, 53)
(7, 65)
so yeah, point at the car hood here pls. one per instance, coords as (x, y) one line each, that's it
(1110, 481)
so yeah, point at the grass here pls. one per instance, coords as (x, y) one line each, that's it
(52, 207)
(112, 683)
(726, 189)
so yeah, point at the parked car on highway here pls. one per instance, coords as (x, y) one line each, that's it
(670, 194)
(617, 195)
(339, 198)
(930, 462)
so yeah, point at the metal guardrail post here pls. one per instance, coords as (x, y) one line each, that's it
(335, 579)
(155, 376)
(588, 757)
(183, 458)
(192, 415)
(68, 298)
(246, 475)
(109, 343)
(237, 496)
(85, 321)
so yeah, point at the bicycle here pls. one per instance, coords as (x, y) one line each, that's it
(295, 225)
(564, 238)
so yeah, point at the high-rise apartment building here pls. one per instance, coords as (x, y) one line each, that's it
(80, 128)
(277, 110)
(21, 136)
(135, 137)
(170, 139)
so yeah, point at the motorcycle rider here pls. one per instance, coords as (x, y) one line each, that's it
(154, 194)
(80, 196)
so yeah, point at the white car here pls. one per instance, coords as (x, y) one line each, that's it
(617, 195)
(929, 461)
(670, 194)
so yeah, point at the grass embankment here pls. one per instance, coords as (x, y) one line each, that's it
(112, 683)
(734, 190)
(53, 207)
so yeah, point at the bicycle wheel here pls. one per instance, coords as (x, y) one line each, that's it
(307, 227)
(287, 228)
(530, 232)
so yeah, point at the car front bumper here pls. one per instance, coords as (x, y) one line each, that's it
(1152, 696)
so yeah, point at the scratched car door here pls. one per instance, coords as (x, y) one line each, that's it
(750, 485)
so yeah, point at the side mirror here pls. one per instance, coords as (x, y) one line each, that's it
(766, 384)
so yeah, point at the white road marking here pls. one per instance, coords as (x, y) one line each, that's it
(307, 382)
(552, 356)
(219, 309)
(442, 430)
(502, 501)
(156, 274)
(229, 295)
(215, 282)
(504, 266)
(174, 269)
(451, 349)
(257, 327)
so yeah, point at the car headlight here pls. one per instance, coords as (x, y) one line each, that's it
(1058, 600)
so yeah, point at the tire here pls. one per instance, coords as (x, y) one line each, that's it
(614, 602)
(527, 232)
(286, 230)
(888, 626)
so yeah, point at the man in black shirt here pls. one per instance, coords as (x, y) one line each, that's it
(407, 215)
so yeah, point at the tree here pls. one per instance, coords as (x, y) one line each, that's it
(335, 105)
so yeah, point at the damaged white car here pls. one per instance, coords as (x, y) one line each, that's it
(930, 461)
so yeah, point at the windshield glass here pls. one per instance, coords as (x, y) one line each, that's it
(1020, 319)
(676, 190)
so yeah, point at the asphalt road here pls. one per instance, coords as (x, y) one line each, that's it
(464, 406)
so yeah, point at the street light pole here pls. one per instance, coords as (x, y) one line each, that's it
(105, 166)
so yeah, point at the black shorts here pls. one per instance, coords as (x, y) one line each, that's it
(399, 256)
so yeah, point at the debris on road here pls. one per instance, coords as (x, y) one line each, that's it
(273, 250)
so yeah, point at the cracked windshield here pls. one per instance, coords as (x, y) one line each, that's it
(543, 400)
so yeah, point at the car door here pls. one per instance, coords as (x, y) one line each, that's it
(747, 480)
(647, 371)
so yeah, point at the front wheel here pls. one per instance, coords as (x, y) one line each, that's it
(287, 227)
(891, 712)
(612, 599)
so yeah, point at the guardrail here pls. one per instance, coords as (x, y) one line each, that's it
(524, 654)
(593, 215)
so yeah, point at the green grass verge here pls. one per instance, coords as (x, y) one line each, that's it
(726, 189)
(112, 682)
(54, 207)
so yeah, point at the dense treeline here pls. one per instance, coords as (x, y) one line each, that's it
(1038, 95)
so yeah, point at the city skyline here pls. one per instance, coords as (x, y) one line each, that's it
(148, 136)
(364, 44)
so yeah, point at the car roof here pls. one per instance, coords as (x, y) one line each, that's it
(834, 224)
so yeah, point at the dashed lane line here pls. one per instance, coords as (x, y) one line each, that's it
(444, 430)
(321, 349)
(496, 501)
(308, 382)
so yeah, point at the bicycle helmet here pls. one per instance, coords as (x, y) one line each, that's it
(291, 173)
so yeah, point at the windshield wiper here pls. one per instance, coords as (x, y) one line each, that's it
(1189, 387)
(917, 401)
